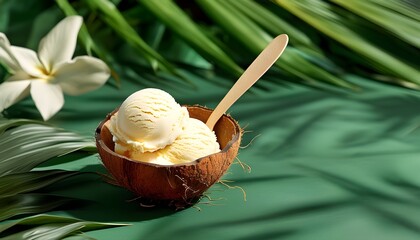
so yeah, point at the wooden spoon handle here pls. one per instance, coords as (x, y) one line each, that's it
(251, 75)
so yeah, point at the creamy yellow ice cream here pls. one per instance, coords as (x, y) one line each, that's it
(151, 127)
(148, 120)
(196, 141)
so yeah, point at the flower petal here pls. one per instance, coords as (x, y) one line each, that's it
(81, 75)
(29, 62)
(48, 98)
(6, 55)
(12, 92)
(19, 76)
(59, 44)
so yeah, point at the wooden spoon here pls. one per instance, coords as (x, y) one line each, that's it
(251, 75)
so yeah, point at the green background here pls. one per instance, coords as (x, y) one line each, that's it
(325, 165)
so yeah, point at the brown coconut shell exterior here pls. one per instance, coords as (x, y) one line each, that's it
(177, 184)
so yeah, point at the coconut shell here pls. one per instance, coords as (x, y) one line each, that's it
(177, 184)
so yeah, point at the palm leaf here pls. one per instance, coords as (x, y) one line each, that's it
(24, 144)
(255, 39)
(395, 18)
(398, 17)
(4, 14)
(30, 203)
(115, 20)
(406, 8)
(25, 147)
(273, 23)
(13, 184)
(297, 37)
(51, 227)
(7, 123)
(170, 14)
(327, 19)
(406, 28)
(52, 231)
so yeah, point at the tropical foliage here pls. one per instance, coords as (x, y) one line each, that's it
(329, 40)
(24, 145)
(180, 44)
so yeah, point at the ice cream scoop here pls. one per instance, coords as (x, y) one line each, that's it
(148, 120)
(151, 127)
(175, 185)
(196, 141)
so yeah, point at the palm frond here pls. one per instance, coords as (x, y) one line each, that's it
(7, 123)
(17, 183)
(406, 8)
(404, 27)
(24, 147)
(31, 203)
(24, 144)
(116, 21)
(255, 39)
(335, 23)
(4, 14)
(51, 227)
(273, 23)
(170, 14)
(229, 33)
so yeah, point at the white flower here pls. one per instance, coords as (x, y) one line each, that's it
(46, 75)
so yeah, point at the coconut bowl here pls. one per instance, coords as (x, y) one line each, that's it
(180, 184)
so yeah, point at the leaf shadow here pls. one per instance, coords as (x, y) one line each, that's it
(394, 216)
(299, 212)
(410, 187)
(397, 110)
(270, 234)
(360, 191)
(108, 203)
(269, 178)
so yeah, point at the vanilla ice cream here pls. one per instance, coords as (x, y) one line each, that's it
(148, 120)
(195, 142)
(151, 127)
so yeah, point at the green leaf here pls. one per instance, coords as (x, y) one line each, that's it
(273, 23)
(43, 219)
(276, 25)
(4, 14)
(13, 184)
(255, 39)
(327, 20)
(24, 147)
(51, 227)
(7, 123)
(30, 203)
(50, 231)
(113, 17)
(406, 8)
(398, 24)
(170, 14)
